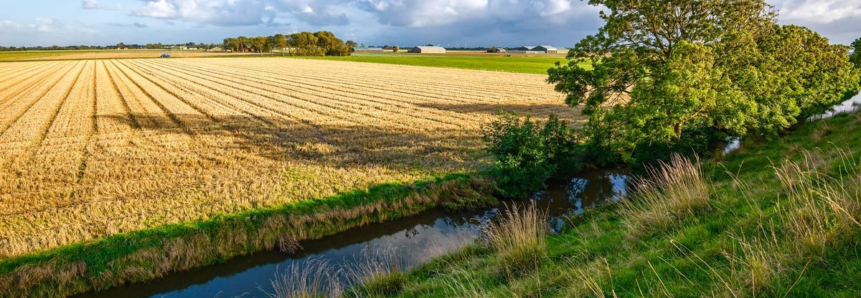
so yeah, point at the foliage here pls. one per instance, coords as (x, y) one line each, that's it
(526, 155)
(678, 73)
(856, 53)
(777, 220)
(322, 43)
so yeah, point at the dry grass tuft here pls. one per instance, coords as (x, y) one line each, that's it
(518, 238)
(308, 279)
(819, 209)
(673, 191)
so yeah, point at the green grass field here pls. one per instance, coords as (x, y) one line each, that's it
(777, 219)
(521, 64)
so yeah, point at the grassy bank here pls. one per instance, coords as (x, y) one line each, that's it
(519, 64)
(780, 218)
(149, 254)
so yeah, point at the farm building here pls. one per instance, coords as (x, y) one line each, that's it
(535, 50)
(367, 50)
(427, 50)
(546, 49)
(524, 50)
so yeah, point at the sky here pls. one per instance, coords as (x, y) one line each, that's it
(451, 23)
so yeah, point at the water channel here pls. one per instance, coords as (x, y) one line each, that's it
(417, 239)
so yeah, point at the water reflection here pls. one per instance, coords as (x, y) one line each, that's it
(414, 240)
(587, 190)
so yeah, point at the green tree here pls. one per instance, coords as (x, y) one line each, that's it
(304, 44)
(280, 42)
(396, 49)
(670, 74)
(331, 45)
(856, 53)
(243, 44)
(351, 44)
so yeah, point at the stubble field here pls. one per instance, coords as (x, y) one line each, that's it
(95, 148)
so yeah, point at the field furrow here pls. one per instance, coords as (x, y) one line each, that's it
(380, 100)
(96, 148)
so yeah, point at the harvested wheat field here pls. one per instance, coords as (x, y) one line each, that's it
(96, 148)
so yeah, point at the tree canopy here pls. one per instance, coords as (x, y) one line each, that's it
(296, 44)
(856, 53)
(678, 74)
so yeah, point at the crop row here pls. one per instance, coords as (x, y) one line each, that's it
(95, 148)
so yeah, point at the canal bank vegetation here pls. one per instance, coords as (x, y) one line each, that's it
(773, 219)
(149, 254)
(668, 83)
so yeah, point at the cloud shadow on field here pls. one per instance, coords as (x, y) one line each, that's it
(336, 146)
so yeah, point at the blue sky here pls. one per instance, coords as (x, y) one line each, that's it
(403, 22)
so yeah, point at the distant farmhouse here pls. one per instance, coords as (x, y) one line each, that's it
(367, 50)
(544, 49)
(427, 50)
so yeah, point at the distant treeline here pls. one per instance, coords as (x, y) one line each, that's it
(323, 43)
(149, 46)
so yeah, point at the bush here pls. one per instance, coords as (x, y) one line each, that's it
(526, 155)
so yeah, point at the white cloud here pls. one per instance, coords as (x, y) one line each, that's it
(9, 25)
(47, 25)
(818, 11)
(243, 12)
(93, 5)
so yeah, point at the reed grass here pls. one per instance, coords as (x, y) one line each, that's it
(671, 192)
(517, 237)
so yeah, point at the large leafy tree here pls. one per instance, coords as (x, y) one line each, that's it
(668, 72)
(856, 53)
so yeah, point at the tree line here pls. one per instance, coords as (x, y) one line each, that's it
(322, 43)
(121, 46)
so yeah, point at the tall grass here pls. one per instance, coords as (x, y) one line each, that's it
(670, 192)
(819, 208)
(312, 278)
(518, 238)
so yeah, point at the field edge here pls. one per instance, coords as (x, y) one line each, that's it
(148, 254)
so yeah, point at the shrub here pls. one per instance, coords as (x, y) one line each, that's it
(526, 155)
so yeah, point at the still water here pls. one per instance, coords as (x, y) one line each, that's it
(417, 239)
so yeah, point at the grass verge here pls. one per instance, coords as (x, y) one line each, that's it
(149, 254)
(780, 218)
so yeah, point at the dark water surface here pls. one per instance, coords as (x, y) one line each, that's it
(417, 239)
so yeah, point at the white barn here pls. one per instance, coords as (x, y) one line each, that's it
(427, 50)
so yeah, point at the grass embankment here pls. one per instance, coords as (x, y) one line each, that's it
(777, 219)
(148, 254)
(519, 64)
